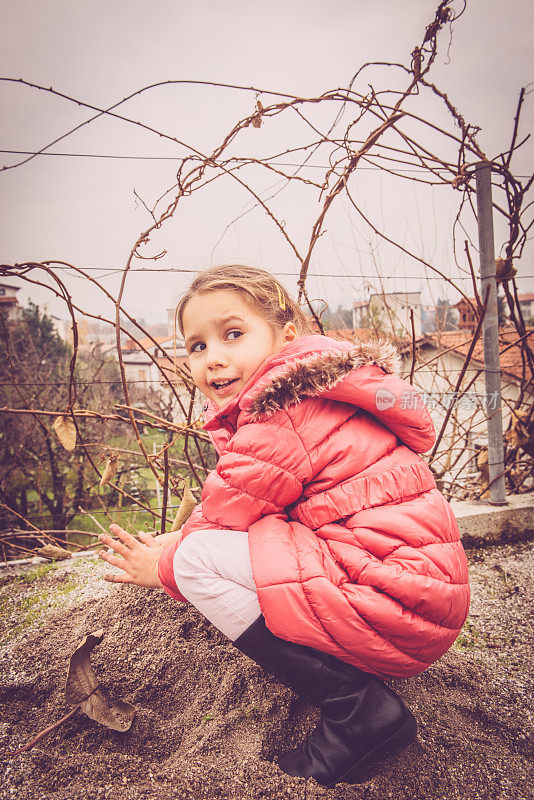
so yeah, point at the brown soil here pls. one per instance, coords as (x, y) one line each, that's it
(210, 723)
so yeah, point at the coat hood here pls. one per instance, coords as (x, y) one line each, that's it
(314, 373)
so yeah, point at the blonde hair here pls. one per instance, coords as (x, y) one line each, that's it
(257, 287)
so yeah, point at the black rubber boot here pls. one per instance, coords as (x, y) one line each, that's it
(362, 719)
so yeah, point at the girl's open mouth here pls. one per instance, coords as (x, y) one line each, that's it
(221, 385)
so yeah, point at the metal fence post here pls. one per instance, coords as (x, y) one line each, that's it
(490, 332)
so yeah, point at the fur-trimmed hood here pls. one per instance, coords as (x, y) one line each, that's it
(319, 371)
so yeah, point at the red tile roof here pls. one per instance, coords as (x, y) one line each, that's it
(166, 365)
(148, 342)
(145, 344)
(509, 346)
(350, 334)
(458, 341)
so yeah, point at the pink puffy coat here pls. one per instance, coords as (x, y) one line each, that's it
(354, 550)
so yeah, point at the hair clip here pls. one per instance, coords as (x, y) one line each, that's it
(281, 299)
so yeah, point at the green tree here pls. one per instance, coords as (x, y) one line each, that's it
(333, 320)
(445, 319)
(39, 480)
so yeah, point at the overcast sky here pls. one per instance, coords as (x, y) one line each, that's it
(84, 211)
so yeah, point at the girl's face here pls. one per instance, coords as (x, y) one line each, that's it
(227, 340)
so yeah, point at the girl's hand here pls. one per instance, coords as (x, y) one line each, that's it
(139, 560)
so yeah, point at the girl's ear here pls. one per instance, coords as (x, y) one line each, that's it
(289, 333)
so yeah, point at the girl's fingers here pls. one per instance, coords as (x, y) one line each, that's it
(129, 540)
(147, 539)
(113, 560)
(115, 544)
(114, 578)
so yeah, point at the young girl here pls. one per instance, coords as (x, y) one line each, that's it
(321, 547)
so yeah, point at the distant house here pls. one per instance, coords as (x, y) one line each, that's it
(359, 314)
(440, 358)
(9, 305)
(158, 364)
(467, 311)
(526, 304)
(149, 362)
(467, 317)
(390, 313)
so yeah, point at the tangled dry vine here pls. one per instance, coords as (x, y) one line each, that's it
(378, 127)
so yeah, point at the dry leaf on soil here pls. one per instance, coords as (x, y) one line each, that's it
(51, 551)
(185, 510)
(82, 689)
(66, 432)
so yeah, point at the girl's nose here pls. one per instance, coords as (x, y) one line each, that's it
(216, 357)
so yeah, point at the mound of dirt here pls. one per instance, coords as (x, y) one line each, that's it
(210, 723)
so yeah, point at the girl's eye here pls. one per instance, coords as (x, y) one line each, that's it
(234, 334)
(198, 347)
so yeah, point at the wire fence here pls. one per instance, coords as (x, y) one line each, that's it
(146, 429)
